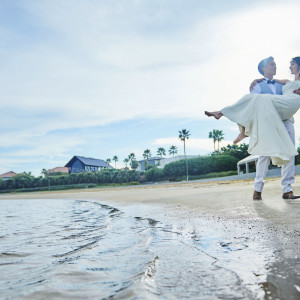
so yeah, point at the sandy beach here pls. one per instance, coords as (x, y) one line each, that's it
(256, 240)
(224, 199)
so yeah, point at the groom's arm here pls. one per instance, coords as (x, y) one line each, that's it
(297, 91)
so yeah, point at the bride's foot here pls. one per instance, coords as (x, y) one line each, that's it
(216, 114)
(240, 137)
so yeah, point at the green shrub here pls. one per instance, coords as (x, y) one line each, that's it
(134, 183)
(154, 174)
(238, 151)
(201, 165)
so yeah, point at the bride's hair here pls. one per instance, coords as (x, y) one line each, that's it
(296, 60)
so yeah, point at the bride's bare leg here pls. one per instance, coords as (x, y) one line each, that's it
(216, 114)
(241, 136)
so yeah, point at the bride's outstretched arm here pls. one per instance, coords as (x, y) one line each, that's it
(282, 81)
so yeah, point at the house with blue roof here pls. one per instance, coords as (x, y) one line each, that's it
(80, 164)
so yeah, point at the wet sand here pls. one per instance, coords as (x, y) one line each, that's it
(259, 241)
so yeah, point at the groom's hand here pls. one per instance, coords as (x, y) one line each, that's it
(297, 91)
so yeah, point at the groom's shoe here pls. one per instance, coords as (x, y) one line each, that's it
(290, 195)
(257, 195)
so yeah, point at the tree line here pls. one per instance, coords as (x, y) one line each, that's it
(132, 161)
(216, 135)
(218, 161)
(107, 176)
(222, 159)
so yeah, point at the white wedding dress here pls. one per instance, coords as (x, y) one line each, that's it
(262, 115)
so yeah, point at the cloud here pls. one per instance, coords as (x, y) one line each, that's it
(70, 65)
(94, 79)
(37, 153)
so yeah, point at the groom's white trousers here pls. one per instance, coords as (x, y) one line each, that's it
(287, 171)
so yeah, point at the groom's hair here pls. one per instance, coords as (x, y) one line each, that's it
(296, 60)
(263, 64)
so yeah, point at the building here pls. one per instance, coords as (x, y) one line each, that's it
(251, 159)
(80, 164)
(160, 162)
(8, 175)
(58, 170)
(152, 161)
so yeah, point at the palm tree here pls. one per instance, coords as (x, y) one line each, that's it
(147, 155)
(213, 135)
(131, 156)
(108, 161)
(184, 135)
(115, 159)
(220, 137)
(173, 150)
(217, 136)
(126, 160)
(161, 152)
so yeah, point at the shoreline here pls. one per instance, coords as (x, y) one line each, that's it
(218, 197)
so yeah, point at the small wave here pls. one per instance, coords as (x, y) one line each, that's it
(77, 249)
(14, 254)
(151, 270)
(151, 222)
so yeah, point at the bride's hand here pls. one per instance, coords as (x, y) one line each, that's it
(297, 91)
(254, 83)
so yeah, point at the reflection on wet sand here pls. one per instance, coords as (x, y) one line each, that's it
(283, 276)
(77, 248)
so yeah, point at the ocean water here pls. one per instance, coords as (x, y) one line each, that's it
(73, 249)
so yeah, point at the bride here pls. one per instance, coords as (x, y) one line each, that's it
(260, 116)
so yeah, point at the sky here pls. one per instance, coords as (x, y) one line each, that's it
(99, 78)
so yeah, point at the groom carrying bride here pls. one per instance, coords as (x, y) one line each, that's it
(266, 117)
(267, 67)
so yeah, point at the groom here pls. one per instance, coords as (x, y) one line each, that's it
(267, 67)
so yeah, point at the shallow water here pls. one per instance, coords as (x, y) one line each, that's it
(72, 249)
